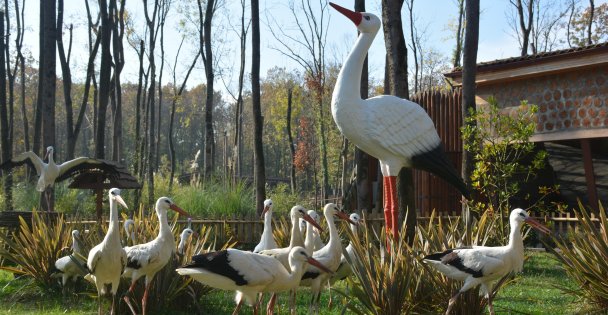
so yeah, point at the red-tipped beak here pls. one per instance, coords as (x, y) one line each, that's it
(266, 208)
(343, 216)
(312, 221)
(179, 210)
(317, 264)
(121, 201)
(537, 225)
(356, 17)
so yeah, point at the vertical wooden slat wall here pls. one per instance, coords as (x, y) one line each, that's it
(432, 193)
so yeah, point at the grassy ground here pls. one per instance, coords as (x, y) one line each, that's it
(534, 292)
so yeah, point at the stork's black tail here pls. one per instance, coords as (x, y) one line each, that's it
(436, 162)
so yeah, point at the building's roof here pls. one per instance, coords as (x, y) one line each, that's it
(521, 61)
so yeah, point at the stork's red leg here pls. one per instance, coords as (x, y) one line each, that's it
(391, 209)
(388, 218)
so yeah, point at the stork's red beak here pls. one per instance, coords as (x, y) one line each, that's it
(345, 217)
(266, 208)
(121, 201)
(179, 210)
(356, 17)
(312, 221)
(317, 264)
(537, 225)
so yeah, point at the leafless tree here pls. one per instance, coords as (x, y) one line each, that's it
(117, 17)
(414, 44)
(5, 143)
(20, 29)
(591, 12)
(105, 71)
(259, 168)
(457, 55)
(525, 18)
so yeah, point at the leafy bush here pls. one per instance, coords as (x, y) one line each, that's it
(504, 158)
(584, 254)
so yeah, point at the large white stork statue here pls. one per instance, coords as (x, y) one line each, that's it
(267, 240)
(148, 258)
(108, 259)
(399, 133)
(249, 273)
(50, 172)
(481, 265)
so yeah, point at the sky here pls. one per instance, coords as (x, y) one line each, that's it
(495, 39)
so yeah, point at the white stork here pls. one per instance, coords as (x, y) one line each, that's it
(51, 172)
(129, 226)
(399, 133)
(313, 240)
(148, 258)
(249, 273)
(480, 265)
(183, 239)
(329, 256)
(267, 240)
(344, 270)
(107, 259)
(73, 265)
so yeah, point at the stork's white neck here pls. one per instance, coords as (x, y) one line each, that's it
(348, 84)
(165, 230)
(515, 240)
(113, 230)
(309, 241)
(267, 222)
(51, 159)
(296, 235)
(334, 237)
(76, 246)
(297, 271)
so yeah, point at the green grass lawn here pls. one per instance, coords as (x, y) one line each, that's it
(533, 292)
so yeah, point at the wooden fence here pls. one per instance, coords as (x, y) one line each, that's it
(246, 230)
(445, 109)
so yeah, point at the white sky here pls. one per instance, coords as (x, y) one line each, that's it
(495, 41)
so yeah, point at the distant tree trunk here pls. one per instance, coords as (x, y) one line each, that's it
(151, 23)
(176, 96)
(206, 54)
(48, 80)
(292, 148)
(162, 18)
(397, 79)
(67, 82)
(414, 47)
(469, 70)
(19, 15)
(259, 168)
(105, 70)
(459, 29)
(525, 26)
(118, 28)
(139, 142)
(589, 27)
(10, 76)
(238, 118)
(4, 126)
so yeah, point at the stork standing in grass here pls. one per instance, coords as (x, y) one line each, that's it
(73, 265)
(329, 256)
(344, 269)
(249, 273)
(267, 240)
(481, 265)
(148, 258)
(399, 133)
(108, 259)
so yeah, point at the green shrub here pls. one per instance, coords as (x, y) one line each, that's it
(584, 254)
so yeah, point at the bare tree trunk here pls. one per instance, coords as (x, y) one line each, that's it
(397, 80)
(589, 27)
(292, 149)
(19, 14)
(525, 26)
(118, 28)
(459, 29)
(165, 5)
(105, 70)
(238, 117)
(138, 163)
(259, 168)
(469, 71)
(206, 54)
(4, 124)
(414, 47)
(151, 23)
(67, 82)
(48, 80)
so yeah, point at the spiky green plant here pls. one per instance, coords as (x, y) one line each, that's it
(397, 281)
(584, 254)
(35, 247)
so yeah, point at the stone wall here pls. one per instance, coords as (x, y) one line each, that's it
(568, 102)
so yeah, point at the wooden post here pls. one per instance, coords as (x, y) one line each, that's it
(589, 174)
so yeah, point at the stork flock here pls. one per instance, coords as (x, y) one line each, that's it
(396, 131)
